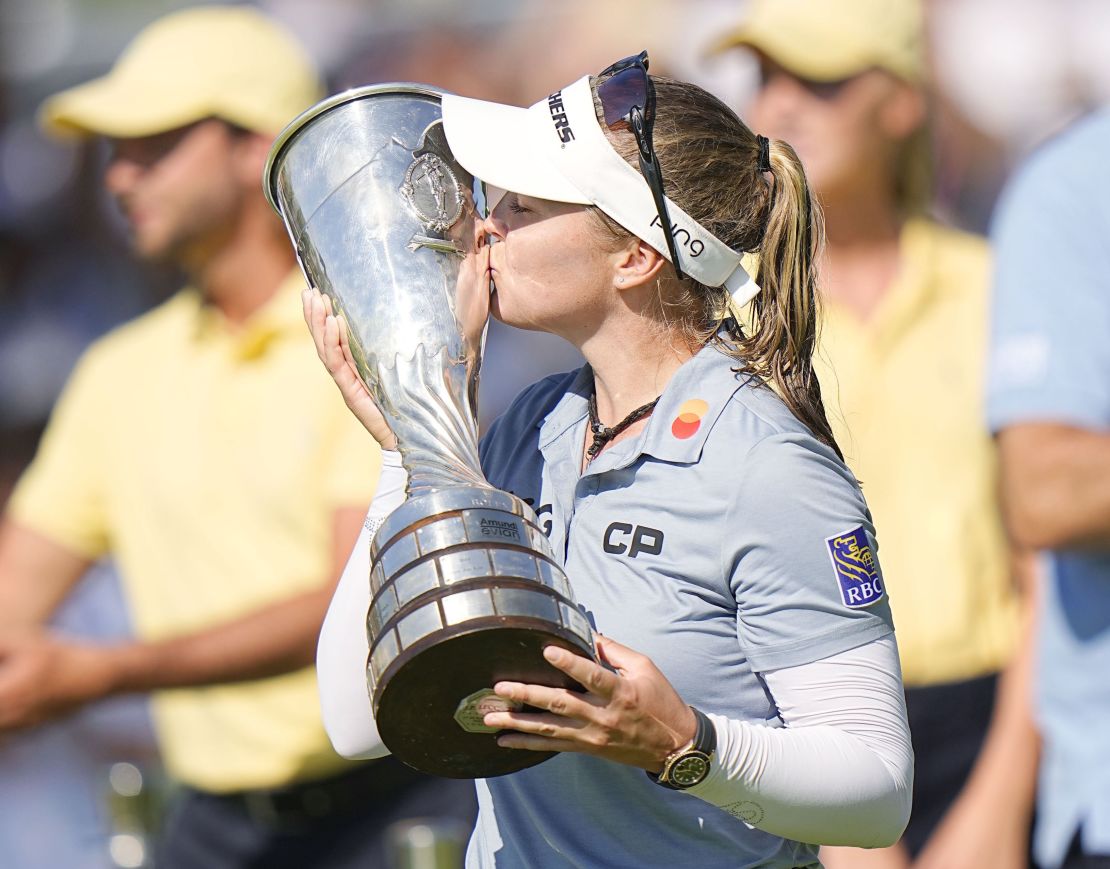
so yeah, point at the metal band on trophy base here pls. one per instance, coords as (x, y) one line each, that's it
(465, 589)
(465, 594)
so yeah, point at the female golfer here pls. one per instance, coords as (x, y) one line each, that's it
(750, 699)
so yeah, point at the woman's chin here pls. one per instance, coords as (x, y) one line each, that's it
(502, 316)
(508, 318)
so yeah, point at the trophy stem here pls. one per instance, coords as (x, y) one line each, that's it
(426, 400)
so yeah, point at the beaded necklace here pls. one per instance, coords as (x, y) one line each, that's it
(602, 434)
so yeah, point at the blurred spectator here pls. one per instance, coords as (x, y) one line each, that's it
(1049, 403)
(203, 446)
(54, 779)
(1022, 68)
(901, 349)
(1010, 73)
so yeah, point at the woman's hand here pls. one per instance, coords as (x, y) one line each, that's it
(329, 333)
(633, 716)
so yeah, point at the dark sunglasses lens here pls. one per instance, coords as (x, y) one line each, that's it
(825, 90)
(622, 91)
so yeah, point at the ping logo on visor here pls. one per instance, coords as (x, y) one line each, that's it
(634, 198)
(681, 236)
(857, 572)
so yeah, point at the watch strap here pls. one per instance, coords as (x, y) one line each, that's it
(705, 742)
(705, 738)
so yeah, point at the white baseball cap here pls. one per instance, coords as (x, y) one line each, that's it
(557, 150)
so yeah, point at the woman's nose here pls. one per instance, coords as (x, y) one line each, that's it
(492, 227)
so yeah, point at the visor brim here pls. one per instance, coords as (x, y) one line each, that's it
(497, 144)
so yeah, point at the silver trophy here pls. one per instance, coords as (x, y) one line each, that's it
(465, 588)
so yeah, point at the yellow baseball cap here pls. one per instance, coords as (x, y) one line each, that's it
(228, 62)
(829, 40)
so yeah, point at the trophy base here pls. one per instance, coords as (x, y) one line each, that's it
(424, 688)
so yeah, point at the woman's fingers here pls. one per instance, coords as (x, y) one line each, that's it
(345, 344)
(333, 353)
(329, 334)
(559, 701)
(545, 731)
(540, 732)
(571, 721)
(620, 657)
(593, 677)
(306, 306)
(533, 742)
(315, 316)
(634, 717)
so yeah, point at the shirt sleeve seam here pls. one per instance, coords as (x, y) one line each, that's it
(850, 635)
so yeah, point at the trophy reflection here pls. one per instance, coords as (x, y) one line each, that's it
(465, 588)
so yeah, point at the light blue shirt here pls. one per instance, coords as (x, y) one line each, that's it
(1050, 362)
(722, 542)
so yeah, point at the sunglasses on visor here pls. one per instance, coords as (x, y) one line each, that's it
(627, 96)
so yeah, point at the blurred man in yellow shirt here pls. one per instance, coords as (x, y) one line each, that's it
(900, 360)
(204, 448)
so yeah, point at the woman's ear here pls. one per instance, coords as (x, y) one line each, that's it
(636, 264)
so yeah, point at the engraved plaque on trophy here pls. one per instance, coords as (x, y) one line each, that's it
(465, 588)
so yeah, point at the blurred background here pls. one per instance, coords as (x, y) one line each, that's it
(1006, 75)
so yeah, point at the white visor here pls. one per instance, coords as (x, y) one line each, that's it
(557, 150)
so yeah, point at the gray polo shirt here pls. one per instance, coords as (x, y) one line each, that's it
(722, 542)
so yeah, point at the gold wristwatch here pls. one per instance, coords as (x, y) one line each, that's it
(690, 765)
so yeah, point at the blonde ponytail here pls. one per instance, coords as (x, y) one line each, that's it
(715, 169)
(784, 316)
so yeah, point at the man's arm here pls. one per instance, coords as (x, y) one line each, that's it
(42, 675)
(35, 575)
(988, 824)
(1055, 485)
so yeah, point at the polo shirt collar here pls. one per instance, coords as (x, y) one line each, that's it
(688, 409)
(677, 428)
(571, 409)
(911, 291)
(279, 315)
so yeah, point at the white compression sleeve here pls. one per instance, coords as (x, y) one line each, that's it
(343, 648)
(841, 770)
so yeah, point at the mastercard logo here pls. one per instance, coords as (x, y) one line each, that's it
(689, 417)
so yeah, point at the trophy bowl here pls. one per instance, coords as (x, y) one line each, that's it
(465, 589)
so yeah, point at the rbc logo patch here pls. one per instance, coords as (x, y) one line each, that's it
(856, 570)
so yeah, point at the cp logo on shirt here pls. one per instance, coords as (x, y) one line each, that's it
(643, 539)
